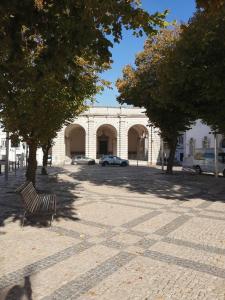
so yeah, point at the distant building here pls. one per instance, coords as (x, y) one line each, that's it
(200, 136)
(121, 131)
(17, 152)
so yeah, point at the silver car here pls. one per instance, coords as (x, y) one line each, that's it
(113, 160)
(82, 160)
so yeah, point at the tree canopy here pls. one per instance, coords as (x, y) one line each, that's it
(51, 55)
(146, 86)
(198, 65)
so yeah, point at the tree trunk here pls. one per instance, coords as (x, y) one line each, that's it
(45, 149)
(32, 163)
(170, 162)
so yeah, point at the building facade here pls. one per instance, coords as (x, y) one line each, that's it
(17, 152)
(201, 136)
(121, 131)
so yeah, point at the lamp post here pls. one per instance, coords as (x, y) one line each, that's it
(215, 133)
(215, 155)
(162, 153)
(151, 146)
(138, 146)
(7, 156)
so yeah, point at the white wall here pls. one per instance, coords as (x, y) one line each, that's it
(198, 132)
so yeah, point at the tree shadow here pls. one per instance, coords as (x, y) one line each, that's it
(18, 292)
(144, 180)
(67, 194)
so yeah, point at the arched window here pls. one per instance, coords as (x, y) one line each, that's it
(205, 142)
(191, 146)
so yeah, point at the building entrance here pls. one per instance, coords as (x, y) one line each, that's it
(103, 147)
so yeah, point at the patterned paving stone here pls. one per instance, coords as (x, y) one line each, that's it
(173, 225)
(186, 263)
(205, 231)
(84, 283)
(154, 224)
(150, 279)
(120, 233)
(44, 263)
(141, 219)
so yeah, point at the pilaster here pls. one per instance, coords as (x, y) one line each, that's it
(59, 149)
(122, 144)
(91, 139)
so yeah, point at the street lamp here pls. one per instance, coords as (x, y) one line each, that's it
(7, 156)
(162, 153)
(215, 133)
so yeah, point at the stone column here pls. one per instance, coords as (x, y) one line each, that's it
(153, 146)
(59, 149)
(122, 139)
(91, 139)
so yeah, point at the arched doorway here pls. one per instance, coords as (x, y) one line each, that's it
(106, 140)
(75, 140)
(138, 142)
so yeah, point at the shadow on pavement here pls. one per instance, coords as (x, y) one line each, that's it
(151, 181)
(11, 205)
(18, 292)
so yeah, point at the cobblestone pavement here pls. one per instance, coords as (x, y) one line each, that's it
(120, 233)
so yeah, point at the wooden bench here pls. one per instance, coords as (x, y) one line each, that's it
(36, 204)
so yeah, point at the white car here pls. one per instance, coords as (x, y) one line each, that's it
(204, 161)
(107, 160)
(82, 160)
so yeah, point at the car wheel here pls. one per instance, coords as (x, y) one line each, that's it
(198, 170)
(124, 164)
(105, 163)
(224, 173)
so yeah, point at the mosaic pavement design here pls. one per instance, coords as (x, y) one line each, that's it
(120, 233)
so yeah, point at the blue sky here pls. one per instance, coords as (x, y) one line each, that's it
(124, 53)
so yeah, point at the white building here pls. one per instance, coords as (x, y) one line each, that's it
(16, 152)
(121, 131)
(200, 136)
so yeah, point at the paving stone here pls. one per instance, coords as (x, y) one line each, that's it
(137, 235)
(85, 282)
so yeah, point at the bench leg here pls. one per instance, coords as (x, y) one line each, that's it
(52, 218)
(24, 215)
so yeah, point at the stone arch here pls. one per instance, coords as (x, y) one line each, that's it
(106, 140)
(75, 140)
(138, 136)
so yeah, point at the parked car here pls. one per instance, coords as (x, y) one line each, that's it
(82, 160)
(113, 160)
(204, 161)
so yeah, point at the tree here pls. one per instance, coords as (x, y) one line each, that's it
(198, 65)
(145, 86)
(51, 55)
(210, 5)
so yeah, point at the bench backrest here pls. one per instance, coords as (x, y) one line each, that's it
(22, 186)
(30, 198)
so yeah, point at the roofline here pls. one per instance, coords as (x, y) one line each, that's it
(107, 106)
